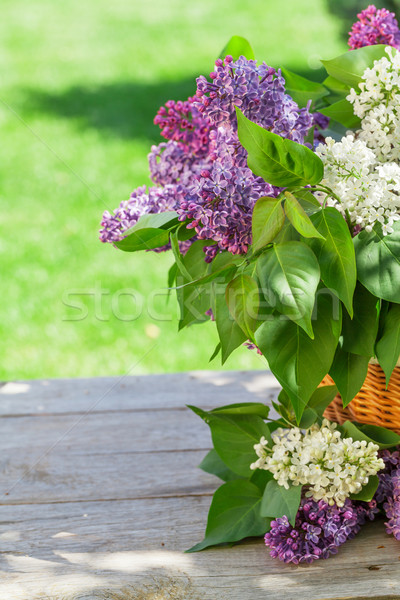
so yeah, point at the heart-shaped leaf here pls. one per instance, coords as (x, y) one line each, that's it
(234, 436)
(303, 90)
(348, 371)
(381, 436)
(279, 161)
(335, 254)
(267, 221)
(359, 333)
(299, 218)
(277, 501)
(290, 272)
(298, 362)
(350, 66)
(388, 346)
(378, 262)
(243, 302)
(234, 514)
(236, 47)
(368, 490)
(342, 112)
(212, 464)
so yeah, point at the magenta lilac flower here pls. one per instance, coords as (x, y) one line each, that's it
(183, 123)
(319, 530)
(187, 151)
(375, 26)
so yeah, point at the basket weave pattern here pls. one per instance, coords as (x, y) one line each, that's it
(374, 404)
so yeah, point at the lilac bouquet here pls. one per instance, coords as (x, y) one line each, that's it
(279, 199)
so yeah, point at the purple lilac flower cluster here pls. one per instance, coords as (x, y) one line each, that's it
(141, 202)
(187, 151)
(375, 26)
(203, 166)
(319, 530)
(220, 202)
(259, 92)
(173, 166)
(388, 491)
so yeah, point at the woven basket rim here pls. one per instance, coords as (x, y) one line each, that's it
(374, 361)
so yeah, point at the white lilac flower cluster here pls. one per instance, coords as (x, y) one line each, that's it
(377, 103)
(330, 466)
(363, 170)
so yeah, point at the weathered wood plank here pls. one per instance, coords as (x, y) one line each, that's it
(102, 394)
(104, 496)
(100, 550)
(62, 478)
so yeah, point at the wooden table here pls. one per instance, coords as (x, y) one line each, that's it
(101, 495)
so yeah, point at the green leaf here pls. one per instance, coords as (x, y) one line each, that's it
(234, 514)
(243, 302)
(260, 478)
(342, 112)
(151, 231)
(179, 257)
(216, 352)
(378, 262)
(193, 302)
(230, 334)
(267, 221)
(279, 161)
(172, 274)
(243, 408)
(321, 398)
(335, 254)
(348, 371)
(212, 464)
(298, 362)
(203, 414)
(164, 220)
(308, 201)
(277, 501)
(224, 274)
(236, 47)
(337, 89)
(234, 436)
(317, 404)
(368, 490)
(184, 233)
(299, 218)
(144, 239)
(381, 436)
(308, 418)
(290, 271)
(301, 89)
(287, 234)
(388, 346)
(284, 408)
(359, 333)
(350, 66)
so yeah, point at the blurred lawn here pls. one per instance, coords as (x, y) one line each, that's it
(80, 84)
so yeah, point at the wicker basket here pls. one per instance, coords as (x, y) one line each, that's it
(374, 404)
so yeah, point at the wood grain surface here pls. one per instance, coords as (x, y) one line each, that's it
(100, 496)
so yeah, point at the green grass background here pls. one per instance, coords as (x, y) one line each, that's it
(80, 84)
